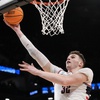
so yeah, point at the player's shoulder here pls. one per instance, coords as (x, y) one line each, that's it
(86, 69)
(88, 72)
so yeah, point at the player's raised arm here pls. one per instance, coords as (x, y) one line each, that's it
(33, 51)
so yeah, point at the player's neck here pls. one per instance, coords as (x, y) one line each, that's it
(74, 70)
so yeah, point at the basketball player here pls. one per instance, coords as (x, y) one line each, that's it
(70, 85)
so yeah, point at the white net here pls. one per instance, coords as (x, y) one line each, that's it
(52, 16)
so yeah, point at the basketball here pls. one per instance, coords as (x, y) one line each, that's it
(14, 16)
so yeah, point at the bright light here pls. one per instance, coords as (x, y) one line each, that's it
(93, 86)
(35, 84)
(45, 90)
(98, 85)
(34, 92)
(52, 89)
(7, 99)
(4, 2)
(9, 70)
(50, 98)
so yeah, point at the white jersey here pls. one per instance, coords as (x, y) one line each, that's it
(76, 92)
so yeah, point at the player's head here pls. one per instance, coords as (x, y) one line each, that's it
(75, 59)
(80, 55)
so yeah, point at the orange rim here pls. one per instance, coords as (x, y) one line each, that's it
(46, 3)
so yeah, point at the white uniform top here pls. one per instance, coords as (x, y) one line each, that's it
(76, 92)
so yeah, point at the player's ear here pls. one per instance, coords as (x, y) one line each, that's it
(81, 64)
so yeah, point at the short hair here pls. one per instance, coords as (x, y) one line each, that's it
(80, 55)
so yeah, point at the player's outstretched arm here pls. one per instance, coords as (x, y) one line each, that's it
(33, 51)
(64, 80)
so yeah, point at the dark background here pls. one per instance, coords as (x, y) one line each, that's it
(81, 25)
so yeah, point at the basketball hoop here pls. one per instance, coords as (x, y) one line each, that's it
(52, 16)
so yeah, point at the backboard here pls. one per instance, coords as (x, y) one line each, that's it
(6, 5)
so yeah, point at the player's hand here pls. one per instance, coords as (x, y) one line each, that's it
(28, 68)
(14, 27)
(33, 2)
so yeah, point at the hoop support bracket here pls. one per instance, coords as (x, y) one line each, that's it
(12, 4)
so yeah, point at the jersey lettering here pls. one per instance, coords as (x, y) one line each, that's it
(65, 89)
